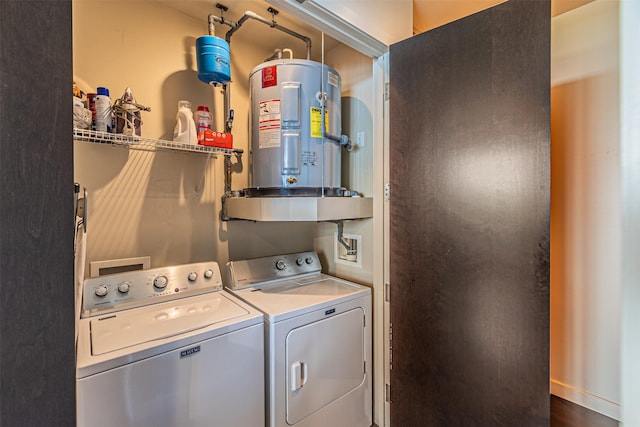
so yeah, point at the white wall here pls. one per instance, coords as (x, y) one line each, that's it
(586, 208)
(357, 165)
(630, 155)
(387, 20)
(145, 203)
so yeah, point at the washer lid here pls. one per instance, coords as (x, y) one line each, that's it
(154, 322)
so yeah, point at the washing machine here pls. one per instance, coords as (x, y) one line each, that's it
(317, 340)
(168, 347)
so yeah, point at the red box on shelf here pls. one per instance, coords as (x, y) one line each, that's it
(211, 138)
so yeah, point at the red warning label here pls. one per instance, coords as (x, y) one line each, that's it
(270, 76)
(269, 123)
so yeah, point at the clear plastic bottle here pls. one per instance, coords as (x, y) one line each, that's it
(203, 118)
(185, 129)
(104, 119)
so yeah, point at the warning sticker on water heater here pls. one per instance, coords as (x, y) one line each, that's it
(333, 79)
(310, 158)
(269, 124)
(316, 121)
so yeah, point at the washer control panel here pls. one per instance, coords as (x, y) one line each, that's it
(115, 292)
(242, 274)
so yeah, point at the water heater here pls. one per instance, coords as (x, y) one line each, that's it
(289, 155)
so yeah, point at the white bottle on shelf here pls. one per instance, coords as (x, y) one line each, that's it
(185, 129)
(103, 110)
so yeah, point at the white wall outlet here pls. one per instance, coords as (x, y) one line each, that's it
(360, 139)
(351, 258)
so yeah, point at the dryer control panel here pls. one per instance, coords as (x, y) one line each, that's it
(116, 292)
(241, 274)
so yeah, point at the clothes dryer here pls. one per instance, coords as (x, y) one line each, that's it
(167, 347)
(317, 340)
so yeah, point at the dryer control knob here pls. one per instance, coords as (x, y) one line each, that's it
(309, 260)
(192, 276)
(160, 282)
(281, 265)
(124, 287)
(208, 274)
(102, 290)
(299, 261)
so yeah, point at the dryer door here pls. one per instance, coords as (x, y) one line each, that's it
(325, 361)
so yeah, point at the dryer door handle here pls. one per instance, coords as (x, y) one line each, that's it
(299, 373)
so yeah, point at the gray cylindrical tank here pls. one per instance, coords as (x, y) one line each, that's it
(287, 149)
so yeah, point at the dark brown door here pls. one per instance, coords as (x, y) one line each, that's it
(469, 233)
(37, 351)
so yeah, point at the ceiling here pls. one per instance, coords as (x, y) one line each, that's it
(428, 14)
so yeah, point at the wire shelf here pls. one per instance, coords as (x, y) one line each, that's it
(148, 144)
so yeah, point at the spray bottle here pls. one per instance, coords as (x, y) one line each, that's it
(104, 120)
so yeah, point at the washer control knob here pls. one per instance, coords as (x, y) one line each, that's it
(102, 290)
(192, 276)
(208, 273)
(308, 260)
(299, 261)
(160, 282)
(281, 265)
(124, 287)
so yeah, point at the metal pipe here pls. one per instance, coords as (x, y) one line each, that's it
(228, 112)
(235, 26)
(322, 98)
(343, 242)
(277, 54)
(340, 140)
(306, 39)
(212, 28)
(227, 174)
(220, 20)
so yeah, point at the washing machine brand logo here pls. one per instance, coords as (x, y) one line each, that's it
(189, 352)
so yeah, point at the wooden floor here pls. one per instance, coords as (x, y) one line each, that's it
(567, 414)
